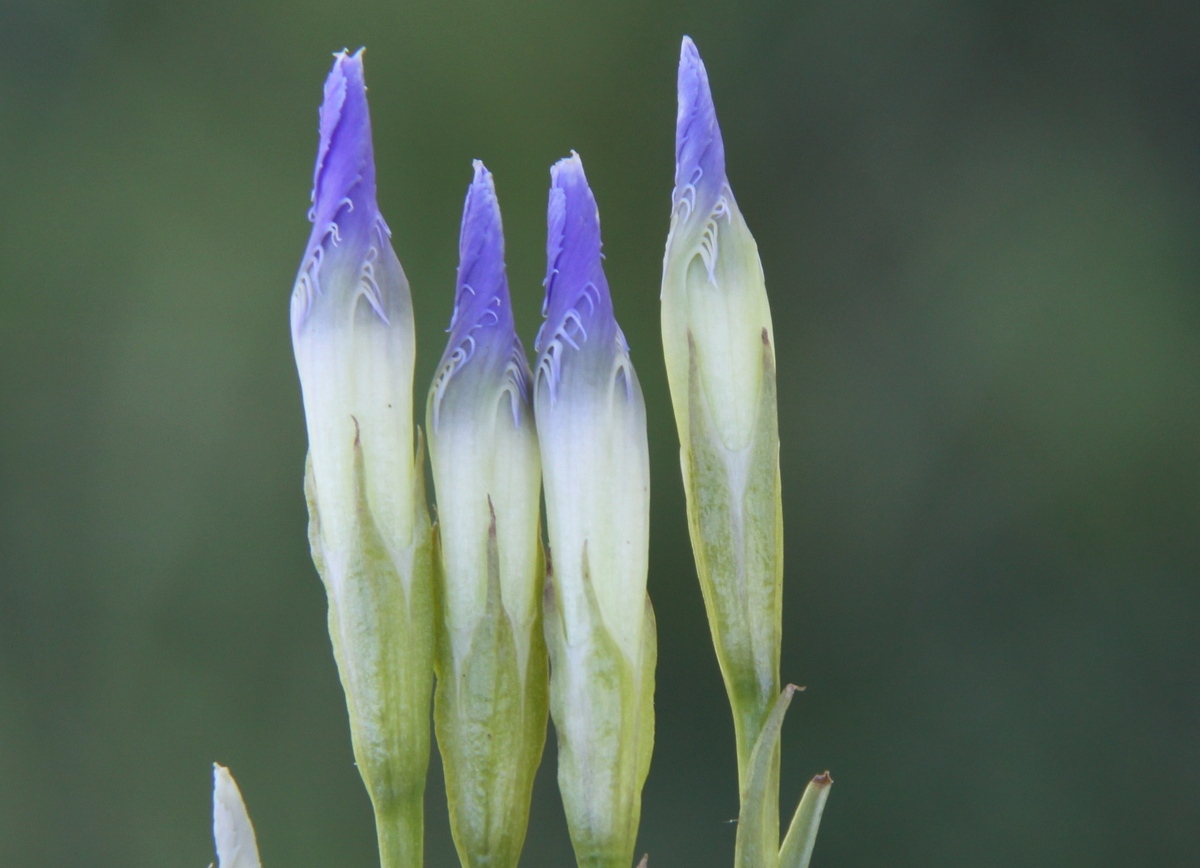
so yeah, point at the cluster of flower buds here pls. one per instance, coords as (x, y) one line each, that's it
(465, 599)
(515, 632)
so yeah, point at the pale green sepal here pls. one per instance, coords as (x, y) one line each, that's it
(758, 830)
(646, 704)
(735, 516)
(381, 625)
(802, 833)
(232, 831)
(491, 727)
(603, 711)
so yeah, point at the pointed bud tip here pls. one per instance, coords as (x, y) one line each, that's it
(689, 55)
(699, 150)
(482, 338)
(573, 245)
(823, 780)
(481, 203)
(568, 175)
(345, 96)
(481, 273)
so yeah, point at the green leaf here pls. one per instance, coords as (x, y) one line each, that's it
(757, 836)
(802, 833)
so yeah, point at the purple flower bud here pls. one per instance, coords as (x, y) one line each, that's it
(591, 421)
(487, 475)
(352, 333)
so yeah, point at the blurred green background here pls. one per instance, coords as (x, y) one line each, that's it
(979, 223)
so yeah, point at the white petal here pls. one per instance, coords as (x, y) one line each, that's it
(236, 847)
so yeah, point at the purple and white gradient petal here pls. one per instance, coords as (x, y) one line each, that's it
(579, 329)
(699, 152)
(483, 350)
(714, 300)
(349, 242)
(352, 324)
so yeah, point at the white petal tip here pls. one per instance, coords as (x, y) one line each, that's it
(232, 831)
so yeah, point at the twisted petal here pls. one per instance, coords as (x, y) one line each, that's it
(579, 329)
(352, 327)
(699, 151)
(348, 232)
(483, 350)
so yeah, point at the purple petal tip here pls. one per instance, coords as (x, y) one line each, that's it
(347, 225)
(578, 308)
(483, 336)
(345, 163)
(576, 288)
(699, 151)
(481, 300)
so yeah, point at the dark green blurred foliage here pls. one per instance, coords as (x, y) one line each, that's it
(979, 223)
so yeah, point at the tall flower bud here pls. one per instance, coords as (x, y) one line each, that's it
(492, 693)
(718, 344)
(352, 331)
(599, 625)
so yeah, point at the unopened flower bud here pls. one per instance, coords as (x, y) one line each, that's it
(492, 692)
(352, 332)
(718, 345)
(599, 625)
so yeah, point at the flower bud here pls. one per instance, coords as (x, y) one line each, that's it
(352, 332)
(599, 625)
(718, 345)
(232, 832)
(492, 693)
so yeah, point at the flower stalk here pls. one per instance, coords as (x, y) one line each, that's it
(352, 332)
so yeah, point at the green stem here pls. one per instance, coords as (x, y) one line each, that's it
(401, 834)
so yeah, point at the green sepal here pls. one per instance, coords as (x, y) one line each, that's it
(758, 830)
(802, 833)
(603, 713)
(735, 517)
(491, 727)
(381, 627)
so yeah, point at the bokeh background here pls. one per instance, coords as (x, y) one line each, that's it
(979, 222)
